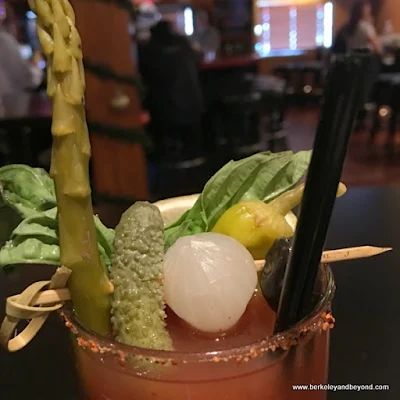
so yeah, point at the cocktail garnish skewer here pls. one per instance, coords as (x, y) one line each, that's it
(52, 296)
(351, 253)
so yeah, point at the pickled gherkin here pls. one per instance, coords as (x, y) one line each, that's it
(138, 315)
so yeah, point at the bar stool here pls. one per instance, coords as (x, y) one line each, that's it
(393, 67)
(177, 162)
(312, 78)
(273, 108)
(386, 93)
(291, 74)
(305, 79)
(240, 121)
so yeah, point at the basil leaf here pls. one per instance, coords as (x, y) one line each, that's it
(24, 191)
(29, 251)
(189, 223)
(35, 240)
(263, 176)
(105, 240)
(28, 216)
(9, 220)
(42, 225)
(27, 190)
(286, 177)
(247, 179)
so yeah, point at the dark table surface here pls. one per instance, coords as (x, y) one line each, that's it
(24, 106)
(367, 310)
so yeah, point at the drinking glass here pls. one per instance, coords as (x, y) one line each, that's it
(264, 370)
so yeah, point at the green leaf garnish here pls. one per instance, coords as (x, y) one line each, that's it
(28, 219)
(263, 176)
(28, 190)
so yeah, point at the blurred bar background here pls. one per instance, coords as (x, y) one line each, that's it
(175, 89)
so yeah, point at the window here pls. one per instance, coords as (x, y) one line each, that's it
(292, 25)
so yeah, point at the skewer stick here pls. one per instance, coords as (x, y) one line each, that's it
(52, 296)
(351, 253)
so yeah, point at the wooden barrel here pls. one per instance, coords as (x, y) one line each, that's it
(118, 161)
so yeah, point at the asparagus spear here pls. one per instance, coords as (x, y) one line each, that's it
(60, 41)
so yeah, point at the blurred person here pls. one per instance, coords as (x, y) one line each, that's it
(339, 45)
(147, 16)
(360, 34)
(168, 66)
(206, 37)
(16, 73)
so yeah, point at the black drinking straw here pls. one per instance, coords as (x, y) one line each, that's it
(342, 100)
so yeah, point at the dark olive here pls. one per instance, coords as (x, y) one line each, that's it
(273, 274)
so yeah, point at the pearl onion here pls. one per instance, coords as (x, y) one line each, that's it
(209, 279)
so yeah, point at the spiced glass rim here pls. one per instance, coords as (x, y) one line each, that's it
(319, 318)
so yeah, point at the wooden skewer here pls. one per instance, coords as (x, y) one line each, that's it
(330, 256)
(351, 253)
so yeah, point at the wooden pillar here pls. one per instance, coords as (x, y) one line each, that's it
(118, 165)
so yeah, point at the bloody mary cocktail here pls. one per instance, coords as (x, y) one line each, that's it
(165, 311)
(243, 364)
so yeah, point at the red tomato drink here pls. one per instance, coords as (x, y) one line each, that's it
(247, 363)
